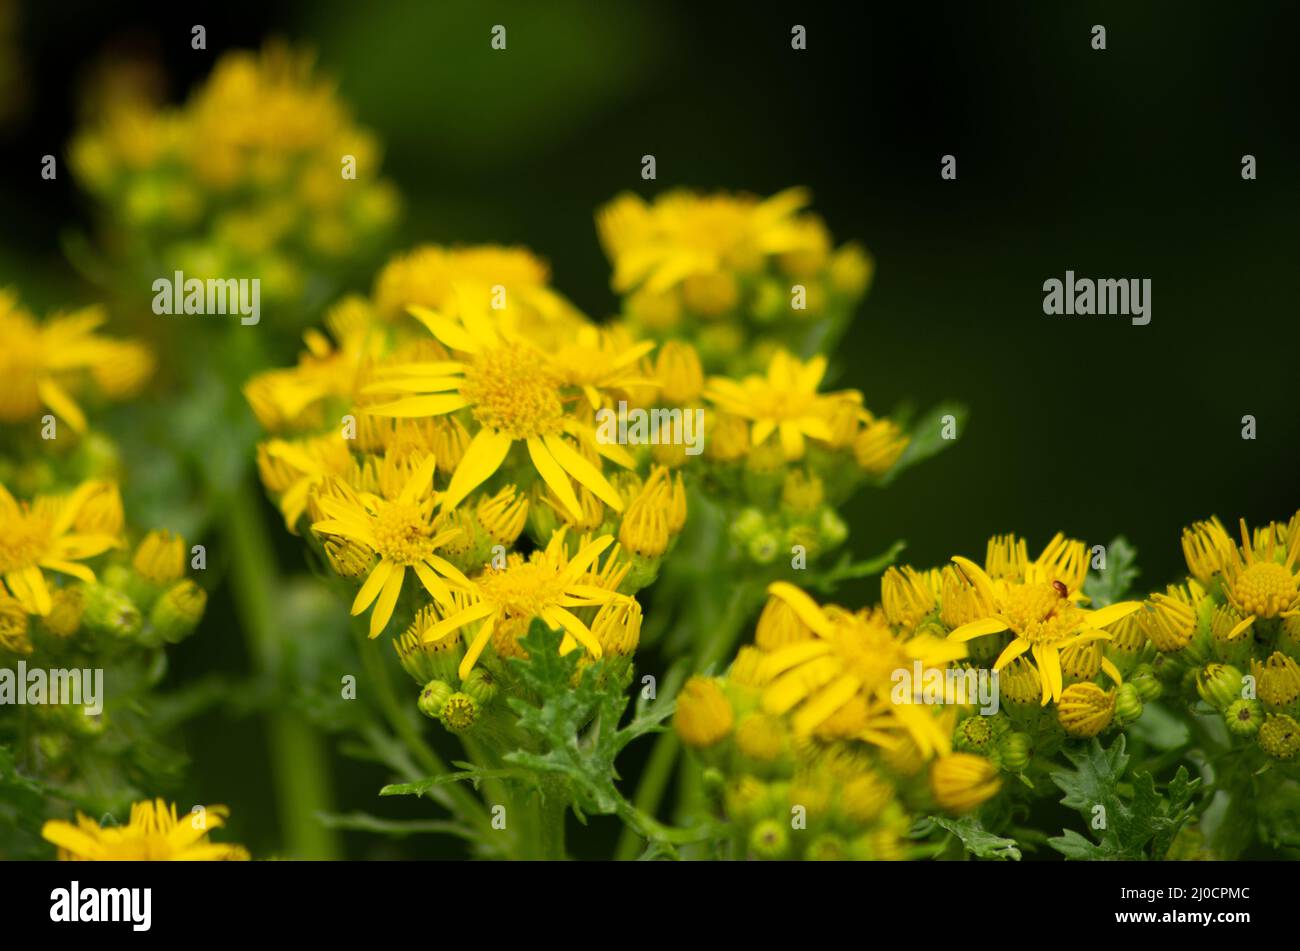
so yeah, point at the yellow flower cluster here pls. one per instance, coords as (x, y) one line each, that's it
(444, 416)
(823, 740)
(261, 172)
(737, 275)
(1230, 633)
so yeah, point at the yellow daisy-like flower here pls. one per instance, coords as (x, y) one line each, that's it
(44, 535)
(293, 469)
(331, 366)
(400, 531)
(154, 834)
(1036, 602)
(478, 283)
(844, 669)
(784, 401)
(515, 395)
(41, 364)
(548, 585)
(685, 235)
(1261, 579)
(600, 362)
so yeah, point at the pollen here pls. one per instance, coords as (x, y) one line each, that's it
(1038, 614)
(403, 533)
(512, 390)
(1264, 589)
(524, 589)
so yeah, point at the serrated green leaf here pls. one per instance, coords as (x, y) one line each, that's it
(1115, 581)
(1136, 821)
(979, 841)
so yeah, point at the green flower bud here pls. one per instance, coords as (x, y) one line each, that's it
(769, 839)
(1015, 750)
(1279, 737)
(460, 712)
(433, 697)
(1128, 704)
(178, 611)
(1244, 717)
(1146, 683)
(749, 524)
(429, 660)
(974, 734)
(763, 548)
(832, 529)
(826, 848)
(110, 612)
(481, 686)
(1219, 685)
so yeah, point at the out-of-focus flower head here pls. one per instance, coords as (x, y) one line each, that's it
(735, 274)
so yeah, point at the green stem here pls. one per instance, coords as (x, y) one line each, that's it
(663, 755)
(454, 796)
(299, 767)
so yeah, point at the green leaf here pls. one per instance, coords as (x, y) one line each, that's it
(1113, 582)
(979, 841)
(846, 569)
(397, 828)
(927, 437)
(574, 724)
(473, 775)
(1134, 821)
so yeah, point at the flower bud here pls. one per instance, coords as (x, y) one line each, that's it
(1128, 704)
(961, 782)
(64, 619)
(178, 611)
(1147, 684)
(769, 839)
(1219, 685)
(480, 685)
(826, 848)
(1085, 709)
(1279, 737)
(429, 660)
(1244, 717)
(160, 558)
(14, 626)
(433, 697)
(110, 612)
(1277, 683)
(704, 715)
(974, 734)
(1015, 750)
(459, 713)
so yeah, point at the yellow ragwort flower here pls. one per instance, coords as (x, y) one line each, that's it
(516, 395)
(785, 401)
(1037, 604)
(42, 364)
(44, 535)
(847, 669)
(400, 531)
(154, 834)
(547, 585)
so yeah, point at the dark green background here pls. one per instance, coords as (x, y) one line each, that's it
(1122, 163)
